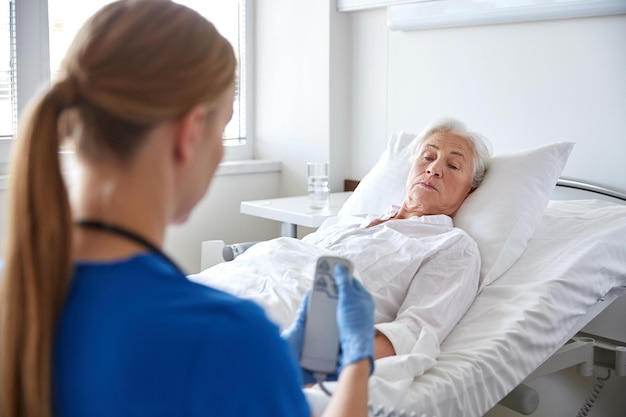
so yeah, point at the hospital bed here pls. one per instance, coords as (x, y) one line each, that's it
(554, 259)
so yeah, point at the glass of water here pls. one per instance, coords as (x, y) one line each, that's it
(317, 181)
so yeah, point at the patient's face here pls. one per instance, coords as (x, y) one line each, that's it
(441, 176)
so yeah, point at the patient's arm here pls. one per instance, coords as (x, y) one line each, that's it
(382, 346)
(439, 294)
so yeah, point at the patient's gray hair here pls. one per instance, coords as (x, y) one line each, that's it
(479, 143)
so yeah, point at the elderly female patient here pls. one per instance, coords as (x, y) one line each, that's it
(422, 271)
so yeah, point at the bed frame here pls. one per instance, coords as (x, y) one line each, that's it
(592, 349)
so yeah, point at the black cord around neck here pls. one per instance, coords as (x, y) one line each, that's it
(125, 233)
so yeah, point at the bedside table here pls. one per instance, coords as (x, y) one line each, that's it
(294, 211)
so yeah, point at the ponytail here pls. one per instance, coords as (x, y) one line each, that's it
(37, 265)
(133, 65)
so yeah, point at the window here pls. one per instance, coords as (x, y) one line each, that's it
(34, 35)
(228, 17)
(8, 98)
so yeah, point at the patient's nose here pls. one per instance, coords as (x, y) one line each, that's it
(433, 169)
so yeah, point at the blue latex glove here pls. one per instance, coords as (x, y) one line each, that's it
(355, 318)
(294, 336)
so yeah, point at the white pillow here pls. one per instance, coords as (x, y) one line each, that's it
(501, 215)
(385, 184)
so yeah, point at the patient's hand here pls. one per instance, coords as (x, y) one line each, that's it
(382, 346)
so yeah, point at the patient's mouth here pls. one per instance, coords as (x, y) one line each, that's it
(428, 186)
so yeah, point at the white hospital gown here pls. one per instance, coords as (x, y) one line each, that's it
(422, 272)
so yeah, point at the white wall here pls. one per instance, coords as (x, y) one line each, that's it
(301, 93)
(369, 89)
(521, 84)
(217, 217)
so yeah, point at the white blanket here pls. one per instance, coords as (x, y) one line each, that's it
(422, 272)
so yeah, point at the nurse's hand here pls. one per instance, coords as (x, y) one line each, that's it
(355, 318)
(294, 336)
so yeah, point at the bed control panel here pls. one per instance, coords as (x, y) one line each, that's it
(321, 334)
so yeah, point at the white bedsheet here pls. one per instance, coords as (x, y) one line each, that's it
(277, 273)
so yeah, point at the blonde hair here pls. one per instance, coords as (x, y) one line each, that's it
(133, 65)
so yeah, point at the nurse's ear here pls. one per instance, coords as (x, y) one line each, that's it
(189, 130)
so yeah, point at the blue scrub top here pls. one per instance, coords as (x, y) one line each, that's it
(137, 338)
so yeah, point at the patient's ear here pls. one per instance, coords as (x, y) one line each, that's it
(188, 131)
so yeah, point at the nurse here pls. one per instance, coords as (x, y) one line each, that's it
(96, 319)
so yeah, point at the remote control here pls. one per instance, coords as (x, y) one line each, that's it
(321, 335)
